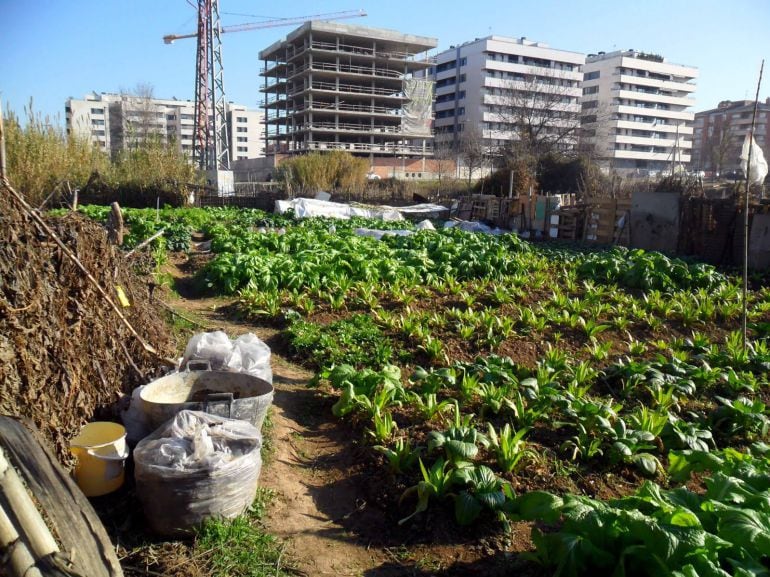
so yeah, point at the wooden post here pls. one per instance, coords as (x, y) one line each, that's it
(115, 225)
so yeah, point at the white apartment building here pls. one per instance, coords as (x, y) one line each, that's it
(494, 84)
(635, 111)
(114, 121)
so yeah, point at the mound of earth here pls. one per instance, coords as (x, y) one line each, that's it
(64, 353)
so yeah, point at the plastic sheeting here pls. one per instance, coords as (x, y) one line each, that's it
(473, 226)
(417, 117)
(309, 207)
(758, 169)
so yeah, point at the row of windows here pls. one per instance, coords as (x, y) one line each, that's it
(450, 81)
(443, 67)
(527, 61)
(451, 96)
(591, 75)
(450, 112)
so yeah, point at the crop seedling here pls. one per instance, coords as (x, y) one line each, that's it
(509, 446)
(436, 483)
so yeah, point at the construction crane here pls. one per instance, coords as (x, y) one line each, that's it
(211, 144)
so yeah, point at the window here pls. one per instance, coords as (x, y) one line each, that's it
(242, 149)
(97, 111)
(241, 139)
(242, 119)
(97, 122)
(241, 129)
(590, 104)
(590, 90)
(98, 132)
(591, 75)
(170, 116)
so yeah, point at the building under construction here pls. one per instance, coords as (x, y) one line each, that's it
(331, 86)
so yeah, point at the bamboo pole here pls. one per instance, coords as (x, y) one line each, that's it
(35, 530)
(37, 541)
(744, 296)
(145, 242)
(17, 558)
(2, 144)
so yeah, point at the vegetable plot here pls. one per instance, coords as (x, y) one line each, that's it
(481, 370)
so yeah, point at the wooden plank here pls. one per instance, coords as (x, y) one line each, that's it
(71, 518)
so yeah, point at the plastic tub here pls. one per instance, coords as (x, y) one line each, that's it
(101, 450)
(220, 393)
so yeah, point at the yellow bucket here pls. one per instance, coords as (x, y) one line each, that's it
(101, 452)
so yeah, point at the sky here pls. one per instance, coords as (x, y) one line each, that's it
(51, 50)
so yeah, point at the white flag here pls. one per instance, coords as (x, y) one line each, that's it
(758, 170)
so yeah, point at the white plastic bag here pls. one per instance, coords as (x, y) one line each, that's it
(255, 357)
(195, 467)
(246, 354)
(213, 347)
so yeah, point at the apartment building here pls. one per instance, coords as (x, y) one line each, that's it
(636, 111)
(507, 89)
(720, 132)
(116, 121)
(334, 86)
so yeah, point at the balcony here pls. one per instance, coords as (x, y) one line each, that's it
(658, 98)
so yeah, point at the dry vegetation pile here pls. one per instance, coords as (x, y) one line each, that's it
(64, 354)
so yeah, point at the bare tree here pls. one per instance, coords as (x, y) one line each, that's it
(136, 119)
(444, 160)
(720, 144)
(537, 114)
(472, 150)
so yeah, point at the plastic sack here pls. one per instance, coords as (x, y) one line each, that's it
(134, 418)
(195, 467)
(758, 169)
(246, 354)
(215, 348)
(255, 356)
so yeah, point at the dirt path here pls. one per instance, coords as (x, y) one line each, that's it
(311, 467)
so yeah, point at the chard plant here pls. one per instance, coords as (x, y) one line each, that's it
(508, 446)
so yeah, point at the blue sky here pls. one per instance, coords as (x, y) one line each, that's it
(53, 49)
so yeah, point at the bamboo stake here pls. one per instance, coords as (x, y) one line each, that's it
(66, 250)
(36, 531)
(144, 243)
(17, 559)
(2, 144)
(744, 322)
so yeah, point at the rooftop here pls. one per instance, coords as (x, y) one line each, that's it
(387, 40)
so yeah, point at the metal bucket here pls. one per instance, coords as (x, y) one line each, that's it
(221, 393)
